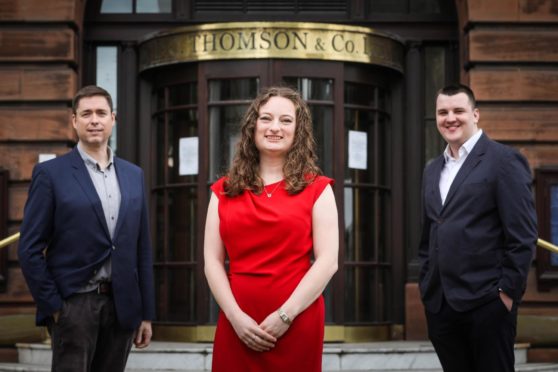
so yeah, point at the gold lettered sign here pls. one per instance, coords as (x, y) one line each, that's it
(253, 40)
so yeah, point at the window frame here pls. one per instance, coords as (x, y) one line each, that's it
(547, 274)
(4, 255)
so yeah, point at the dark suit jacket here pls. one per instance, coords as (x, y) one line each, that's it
(63, 215)
(482, 239)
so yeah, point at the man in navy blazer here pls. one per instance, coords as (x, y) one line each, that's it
(85, 247)
(478, 239)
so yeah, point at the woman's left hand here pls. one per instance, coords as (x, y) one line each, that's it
(273, 325)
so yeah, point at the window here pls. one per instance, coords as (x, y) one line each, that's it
(289, 6)
(547, 215)
(409, 6)
(554, 223)
(4, 175)
(107, 78)
(136, 6)
(153, 6)
(116, 6)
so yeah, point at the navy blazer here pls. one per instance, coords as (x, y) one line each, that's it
(483, 238)
(65, 239)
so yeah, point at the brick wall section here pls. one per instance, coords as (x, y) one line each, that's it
(510, 54)
(39, 66)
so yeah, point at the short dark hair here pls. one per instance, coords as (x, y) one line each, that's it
(454, 89)
(90, 91)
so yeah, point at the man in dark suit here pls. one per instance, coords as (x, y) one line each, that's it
(478, 239)
(85, 248)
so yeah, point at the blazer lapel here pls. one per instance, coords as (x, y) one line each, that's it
(123, 182)
(473, 159)
(435, 196)
(84, 180)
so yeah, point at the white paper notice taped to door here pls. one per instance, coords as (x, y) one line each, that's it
(358, 147)
(188, 156)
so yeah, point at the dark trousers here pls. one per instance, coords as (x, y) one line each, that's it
(87, 338)
(479, 340)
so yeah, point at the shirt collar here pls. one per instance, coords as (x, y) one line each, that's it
(89, 161)
(466, 148)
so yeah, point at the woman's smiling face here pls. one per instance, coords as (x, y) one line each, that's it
(275, 126)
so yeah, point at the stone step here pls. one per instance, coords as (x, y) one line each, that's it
(389, 356)
(530, 367)
(18, 367)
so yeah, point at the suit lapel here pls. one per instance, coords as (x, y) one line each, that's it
(435, 196)
(123, 182)
(83, 178)
(473, 159)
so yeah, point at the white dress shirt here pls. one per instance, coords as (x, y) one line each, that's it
(452, 165)
(107, 187)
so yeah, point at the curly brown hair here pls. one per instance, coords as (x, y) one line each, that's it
(300, 167)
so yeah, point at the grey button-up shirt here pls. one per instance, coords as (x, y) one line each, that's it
(108, 189)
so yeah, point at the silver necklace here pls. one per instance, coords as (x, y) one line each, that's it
(270, 194)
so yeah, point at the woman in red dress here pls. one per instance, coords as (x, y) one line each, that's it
(270, 214)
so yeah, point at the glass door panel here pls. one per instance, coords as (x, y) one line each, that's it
(176, 287)
(228, 100)
(318, 92)
(367, 262)
(221, 90)
(182, 206)
(176, 203)
(224, 126)
(181, 124)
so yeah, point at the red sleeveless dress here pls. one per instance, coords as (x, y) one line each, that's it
(269, 243)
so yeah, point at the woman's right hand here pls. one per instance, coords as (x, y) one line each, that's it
(250, 332)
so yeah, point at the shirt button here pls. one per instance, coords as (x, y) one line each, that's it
(112, 218)
(113, 247)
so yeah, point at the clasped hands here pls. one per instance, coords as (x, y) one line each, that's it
(259, 337)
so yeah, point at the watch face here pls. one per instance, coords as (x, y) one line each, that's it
(284, 317)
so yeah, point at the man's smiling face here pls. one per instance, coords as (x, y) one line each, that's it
(456, 119)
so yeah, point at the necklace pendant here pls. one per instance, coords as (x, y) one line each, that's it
(270, 194)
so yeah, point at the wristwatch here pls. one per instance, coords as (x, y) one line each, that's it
(284, 317)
